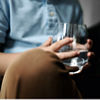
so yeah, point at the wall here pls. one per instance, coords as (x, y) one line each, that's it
(91, 10)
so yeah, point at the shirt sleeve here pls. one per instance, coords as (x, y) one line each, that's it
(3, 24)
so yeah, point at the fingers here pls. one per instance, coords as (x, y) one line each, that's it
(89, 44)
(48, 42)
(67, 55)
(57, 45)
(87, 65)
(90, 55)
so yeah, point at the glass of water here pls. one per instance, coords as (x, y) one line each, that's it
(79, 35)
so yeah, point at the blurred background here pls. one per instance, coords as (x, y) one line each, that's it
(91, 9)
(89, 80)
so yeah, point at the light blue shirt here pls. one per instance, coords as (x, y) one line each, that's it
(26, 24)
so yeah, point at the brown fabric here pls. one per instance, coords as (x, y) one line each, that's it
(38, 74)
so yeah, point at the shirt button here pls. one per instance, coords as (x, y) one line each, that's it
(51, 13)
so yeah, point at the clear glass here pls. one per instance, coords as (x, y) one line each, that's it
(79, 35)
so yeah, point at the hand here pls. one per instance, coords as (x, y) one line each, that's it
(89, 54)
(54, 48)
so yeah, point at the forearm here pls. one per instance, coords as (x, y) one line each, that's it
(6, 60)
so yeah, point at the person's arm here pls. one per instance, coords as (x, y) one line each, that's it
(6, 60)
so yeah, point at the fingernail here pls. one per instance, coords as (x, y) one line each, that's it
(71, 39)
(78, 52)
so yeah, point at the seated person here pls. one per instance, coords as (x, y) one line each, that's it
(30, 67)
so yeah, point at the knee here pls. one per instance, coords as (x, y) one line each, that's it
(36, 62)
(39, 71)
(35, 70)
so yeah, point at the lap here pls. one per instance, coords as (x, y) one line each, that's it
(37, 73)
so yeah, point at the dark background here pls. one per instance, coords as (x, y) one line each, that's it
(91, 10)
(89, 80)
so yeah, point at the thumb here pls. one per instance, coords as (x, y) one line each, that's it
(48, 42)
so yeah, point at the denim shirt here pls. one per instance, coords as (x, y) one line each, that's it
(26, 24)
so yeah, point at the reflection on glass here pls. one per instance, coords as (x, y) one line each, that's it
(79, 35)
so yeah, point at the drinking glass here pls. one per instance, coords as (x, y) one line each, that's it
(79, 35)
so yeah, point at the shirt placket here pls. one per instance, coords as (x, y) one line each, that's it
(52, 18)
